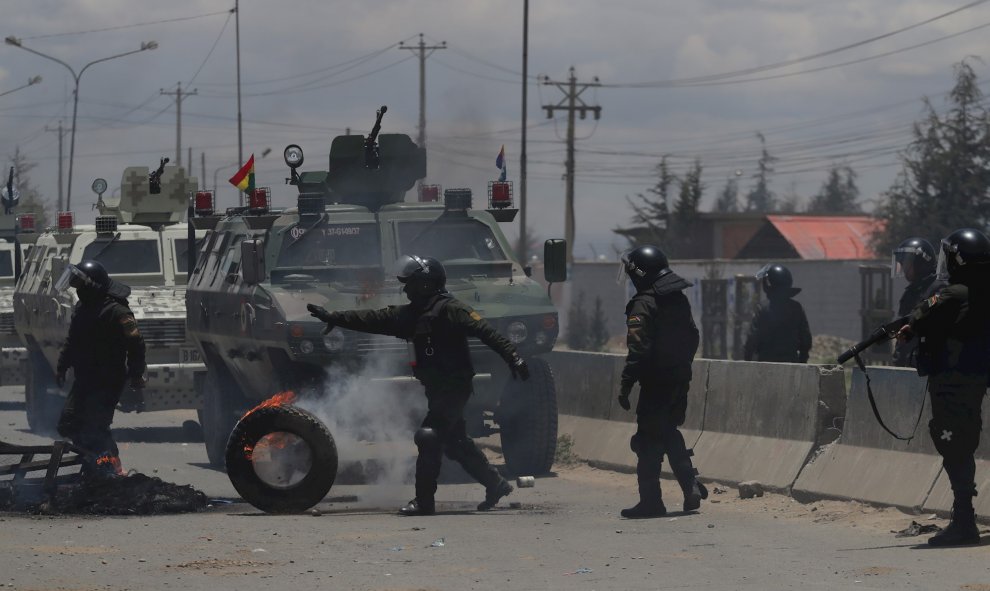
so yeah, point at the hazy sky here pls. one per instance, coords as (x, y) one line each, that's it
(310, 69)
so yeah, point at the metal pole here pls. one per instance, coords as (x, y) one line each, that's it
(178, 124)
(422, 92)
(569, 215)
(72, 144)
(523, 244)
(240, 136)
(60, 158)
(202, 168)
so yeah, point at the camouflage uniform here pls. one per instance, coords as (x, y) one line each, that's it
(438, 328)
(662, 340)
(104, 348)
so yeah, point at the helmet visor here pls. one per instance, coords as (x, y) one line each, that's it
(764, 271)
(904, 258)
(72, 276)
(623, 273)
(942, 268)
(407, 265)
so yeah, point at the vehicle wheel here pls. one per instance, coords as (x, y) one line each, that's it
(221, 405)
(527, 417)
(43, 405)
(281, 459)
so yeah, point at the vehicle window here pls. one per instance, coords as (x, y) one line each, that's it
(6, 263)
(447, 240)
(331, 245)
(126, 256)
(181, 252)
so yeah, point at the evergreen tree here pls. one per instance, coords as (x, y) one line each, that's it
(839, 193)
(945, 178)
(728, 199)
(760, 198)
(597, 333)
(577, 325)
(653, 211)
(31, 199)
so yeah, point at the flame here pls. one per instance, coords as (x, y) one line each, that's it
(280, 399)
(111, 461)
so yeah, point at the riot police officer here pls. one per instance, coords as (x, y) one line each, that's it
(105, 350)
(779, 331)
(954, 330)
(913, 259)
(662, 340)
(438, 326)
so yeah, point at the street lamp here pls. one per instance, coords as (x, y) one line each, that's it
(11, 40)
(31, 82)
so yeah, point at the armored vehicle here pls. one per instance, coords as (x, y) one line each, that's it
(248, 293)
(142, 243)
(13, 247)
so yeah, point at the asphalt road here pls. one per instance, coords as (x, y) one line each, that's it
(565, 535)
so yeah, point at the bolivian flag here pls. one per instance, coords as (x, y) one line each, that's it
(244, 179)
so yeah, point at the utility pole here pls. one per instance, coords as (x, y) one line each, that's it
(422, 50)
(179, 96)
(240, 134)
(523, 244)
(202, 169)
(61, 134)
(572, 103)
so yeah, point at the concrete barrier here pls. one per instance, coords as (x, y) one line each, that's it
(587, 388)
(763, 420)
(866, 463)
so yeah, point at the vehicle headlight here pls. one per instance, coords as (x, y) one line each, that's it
(306, 347)
(517, 332)
(334, 342)
(540, 338)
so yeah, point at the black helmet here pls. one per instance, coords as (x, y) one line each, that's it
(776, 280)
(88, 274)
(425, 274)
(914, 256)
(962, 250)
(644, 265)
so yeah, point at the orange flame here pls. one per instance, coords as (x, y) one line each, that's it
(280, 399)
(112, 461)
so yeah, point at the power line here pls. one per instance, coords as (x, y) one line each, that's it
(131, 26)
(212, 49)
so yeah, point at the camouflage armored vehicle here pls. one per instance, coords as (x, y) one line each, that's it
(141, 242)
(247, 296)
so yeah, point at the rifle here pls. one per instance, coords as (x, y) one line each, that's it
(883, 333)
(371, 155)
(155, 178)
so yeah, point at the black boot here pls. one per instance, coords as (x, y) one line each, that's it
(694, 495)
(417, 507)
(494, 493)
(650, 502)
(961, 529)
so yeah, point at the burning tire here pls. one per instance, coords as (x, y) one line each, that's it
(527, 418)
(281, 459)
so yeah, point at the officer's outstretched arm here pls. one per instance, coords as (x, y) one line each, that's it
(476, 326)
(383, 321)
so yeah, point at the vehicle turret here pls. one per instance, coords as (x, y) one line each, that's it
(153, 198)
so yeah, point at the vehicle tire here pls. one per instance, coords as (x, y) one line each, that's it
(527, 417)
(222, 402)
(42, 403)
(312, 449)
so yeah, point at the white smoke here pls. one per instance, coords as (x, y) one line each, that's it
(372, 421)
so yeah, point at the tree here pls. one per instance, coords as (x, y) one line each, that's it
(689, 198)
(839, 193)
(654, 210)
(728, 199)
(597, 332)
(577, 324)
(760, 198)
(31, 199)
(791, 201)
(945, 177)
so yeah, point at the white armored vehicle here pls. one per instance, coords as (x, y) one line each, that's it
(143, 242)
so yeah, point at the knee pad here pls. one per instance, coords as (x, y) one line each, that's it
(952, 438)
(427, 439)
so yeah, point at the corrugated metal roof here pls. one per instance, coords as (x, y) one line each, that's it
(828, 237)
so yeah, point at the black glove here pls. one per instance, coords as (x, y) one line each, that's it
(624, 396)
(132, 399)
(519, 369)
(320, 313)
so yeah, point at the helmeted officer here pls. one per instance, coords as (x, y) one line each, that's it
(954, 330)
(779, 330)
(105, 350)
(438, 326)
(913, 259)
(662, 340)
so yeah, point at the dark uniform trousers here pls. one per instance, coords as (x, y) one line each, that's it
(446, 399)
(955, 430)
(88, 413)
(660, 411)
